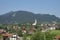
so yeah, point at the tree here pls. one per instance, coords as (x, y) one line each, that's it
(42, 36)
(24, 36)
(19, 33)
(49, 35)
(37, 36)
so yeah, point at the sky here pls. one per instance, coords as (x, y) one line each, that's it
(51, 7)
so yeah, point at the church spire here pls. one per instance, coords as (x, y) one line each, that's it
(35, 22)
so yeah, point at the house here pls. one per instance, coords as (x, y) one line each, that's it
(15, 37)
(48, 27)
(57, 37)
(2, 31)
(23, 31)
(6, 36)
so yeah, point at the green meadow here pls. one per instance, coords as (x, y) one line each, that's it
(56, 32)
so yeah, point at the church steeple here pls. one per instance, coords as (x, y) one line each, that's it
(35, 22)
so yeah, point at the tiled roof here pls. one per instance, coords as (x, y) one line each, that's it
(7, 34)
(57, 36)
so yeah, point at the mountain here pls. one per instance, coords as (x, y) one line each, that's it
(25, 16)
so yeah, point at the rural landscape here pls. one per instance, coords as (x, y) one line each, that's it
(29, 26)
(29, 20)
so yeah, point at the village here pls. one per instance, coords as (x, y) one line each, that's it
(14, 32)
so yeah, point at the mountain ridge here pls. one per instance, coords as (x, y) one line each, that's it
(26, 16)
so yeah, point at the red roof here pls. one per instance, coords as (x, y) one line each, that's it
(57, 36)
(6, 35)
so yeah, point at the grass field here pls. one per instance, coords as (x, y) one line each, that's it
(57, 32)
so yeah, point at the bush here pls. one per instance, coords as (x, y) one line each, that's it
(42, 36)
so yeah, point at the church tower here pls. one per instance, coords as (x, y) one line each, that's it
(35, 23)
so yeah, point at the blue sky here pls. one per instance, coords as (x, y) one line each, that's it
(36, 6)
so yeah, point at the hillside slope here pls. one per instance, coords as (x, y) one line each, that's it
(25, 16)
